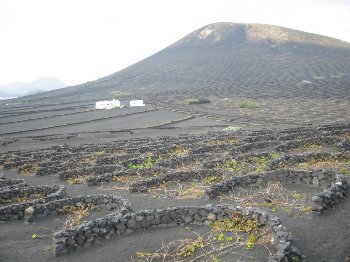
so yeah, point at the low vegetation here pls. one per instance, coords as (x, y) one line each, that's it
(232, 128)
(318, 78)
(24, 199)
(28, 169)
(191, 101)
(249, 104)
(234, 235)
(148, 163)
(76, 180)
(76, 214)
(275, 197)
(342, 166)
(120, 94)
(179, 151)
(236, 223)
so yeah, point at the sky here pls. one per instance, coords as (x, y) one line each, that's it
(82, 40)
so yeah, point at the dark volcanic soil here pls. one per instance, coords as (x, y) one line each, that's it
(320, 238)
(323, 237)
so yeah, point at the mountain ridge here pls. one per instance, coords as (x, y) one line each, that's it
(19, 88)
(254, 33)
(230, 55)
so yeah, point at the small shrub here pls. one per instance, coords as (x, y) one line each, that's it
(231, 165)
(122, 179)
(76, 213)
(249, 104)
(262, 163)
(99, 153)
(179, 151)
(148, 255)
(318, 77)
(193, 192)
(191, 101)
(28, 169)
(212, 179)
(250, 245)
(237, 223)
(191, 248)
(274, 209)
(311, 146)
(119, 94)
(275, 156)
(296, 195)
(339, 75)
(149, 163)
(76, 180)
(232, 128)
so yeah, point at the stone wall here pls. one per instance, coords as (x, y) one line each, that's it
(142, 186)
(11, 182)
(123, 221)
(330, 196)
(97, 179)
(17, 211)
(95, 170)
(336, 184)
(40, 210)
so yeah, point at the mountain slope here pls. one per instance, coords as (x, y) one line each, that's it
(229, 59)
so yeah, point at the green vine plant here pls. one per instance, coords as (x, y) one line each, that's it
(149, 163)
(234, 235)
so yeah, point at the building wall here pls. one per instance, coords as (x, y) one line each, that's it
(136, 103)
(107, 104)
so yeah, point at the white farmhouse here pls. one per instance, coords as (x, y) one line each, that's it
(136, 103)
(107, 104)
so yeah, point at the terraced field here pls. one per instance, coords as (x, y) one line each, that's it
(218, 196)
(255, 83)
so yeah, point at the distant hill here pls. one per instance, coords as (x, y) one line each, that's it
(17, 89)
(229, 60)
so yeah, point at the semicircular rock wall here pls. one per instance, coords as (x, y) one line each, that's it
(123, 221)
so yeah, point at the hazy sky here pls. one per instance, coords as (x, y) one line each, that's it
(82, 40)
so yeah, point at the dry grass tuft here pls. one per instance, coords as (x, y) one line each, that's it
(179, 151)
(23, 199)
(75, 214)
(223, 142)
(76, 180)
(274, 197)
(342, 166)
(28, 169)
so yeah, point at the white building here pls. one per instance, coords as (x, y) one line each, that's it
(107, 104)
(136, 103)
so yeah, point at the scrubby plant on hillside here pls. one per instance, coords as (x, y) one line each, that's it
(191, 101)
(119, 94)
(232, 128)
(249, 104)
(318, 77)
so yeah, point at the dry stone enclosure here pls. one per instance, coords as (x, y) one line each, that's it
(241, 175)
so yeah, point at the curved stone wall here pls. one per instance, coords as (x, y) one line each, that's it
(122, 222)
